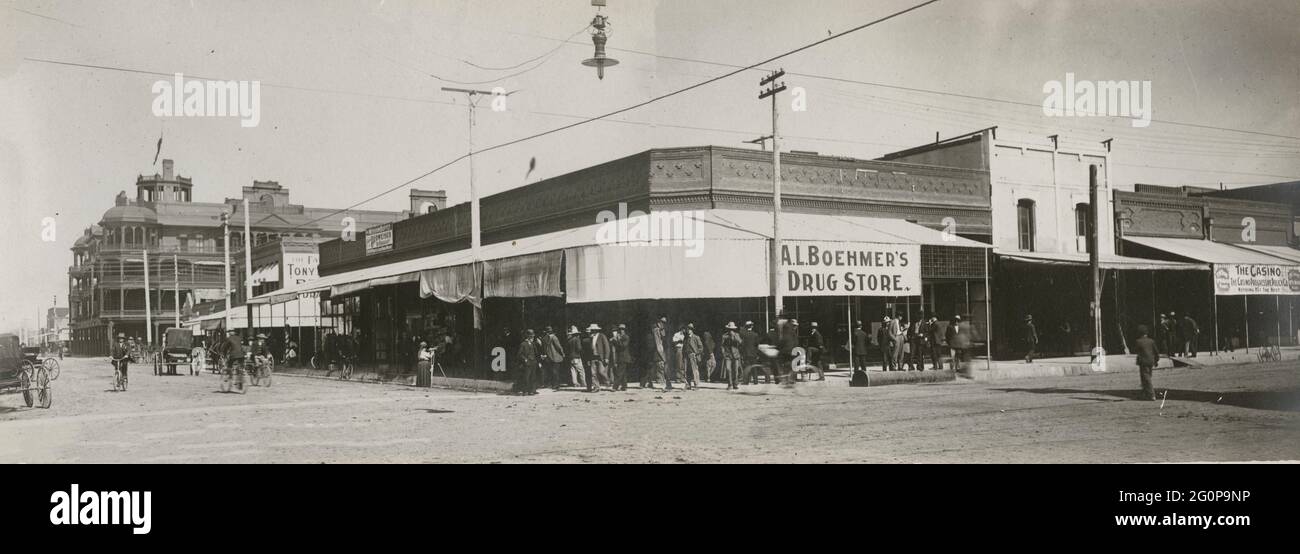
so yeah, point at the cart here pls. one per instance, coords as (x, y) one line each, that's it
(34, 355)
(176, 351)
(20, 375)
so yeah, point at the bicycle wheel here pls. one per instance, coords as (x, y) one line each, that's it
(313, 363)
(44, 396)
(266, 379)
(52, 366)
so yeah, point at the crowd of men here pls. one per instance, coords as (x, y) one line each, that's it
(736, 356)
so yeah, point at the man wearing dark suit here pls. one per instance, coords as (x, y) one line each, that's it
(917, 346)
(527, 385)
(577, 373)
(553, 356)
(1147, 357)
(748, 353)
(621, 344)
(935, 339)
(885, 342)
(1189, 332)
(816, 350)
(597, 351)
(657, 354)
(731, 356)
(860, 342)
(1170, 327)
(692, 355)
(1031, 339)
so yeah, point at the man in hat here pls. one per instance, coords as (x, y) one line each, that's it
(234, 351)
(1030, 338)
(885, 342)
(1188, 333)
(1170, 329)
(693, 350)
(950, 338)
(528, 360)
(577, 373)
(816, 348)
(657, 356)
(731, 356)
(917, 346)
(598, 353)
(1147, 357)
(935, 339)
(788, 340)
(860, 341)
(553, 356)
(621, 344)
(898, 334)
(121, 354)
(262, 352)
(748, 353)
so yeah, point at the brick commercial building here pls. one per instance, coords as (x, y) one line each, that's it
(862, 239)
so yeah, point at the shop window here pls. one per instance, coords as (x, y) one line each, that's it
(1081, 226)
(1025, 224)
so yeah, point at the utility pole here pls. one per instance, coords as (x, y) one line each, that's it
(248, 271)
(771, 92)
(148, 310)
(1094, 260)
(475, 231)
(176, 286)
(225, 231)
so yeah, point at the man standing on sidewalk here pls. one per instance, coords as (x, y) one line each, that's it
(1031, 339)
(693, 355)
(598, 355)
(553, 354)
(860, 341)
(621, 345)
(748, 354)
(1147, 357)
(885, 342)
(1170, 325)
(1190, 332)
(935, 340)
(731, 356)
(657, 357)
(577, 373)
(527, 365)
(897, 334)
(817, 349)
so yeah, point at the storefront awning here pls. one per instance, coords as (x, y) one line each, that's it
(1108, 261)
(1285, 252)
(1209, 252)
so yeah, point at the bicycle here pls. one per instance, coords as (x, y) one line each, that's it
(232, 377)
(262, 370)
(119, 379)
(346, 371)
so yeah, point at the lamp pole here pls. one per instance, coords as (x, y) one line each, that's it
(475, 231)
(225, 231)
(248, 270)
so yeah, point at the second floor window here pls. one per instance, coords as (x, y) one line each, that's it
(1025, 224)
(1081, 225)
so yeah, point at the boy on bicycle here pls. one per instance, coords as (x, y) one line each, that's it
(262, 354)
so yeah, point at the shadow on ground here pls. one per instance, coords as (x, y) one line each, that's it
(1280, 401)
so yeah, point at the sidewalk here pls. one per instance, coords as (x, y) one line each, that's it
(390, 377)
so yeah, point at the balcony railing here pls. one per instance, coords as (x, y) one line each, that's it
(138, 313)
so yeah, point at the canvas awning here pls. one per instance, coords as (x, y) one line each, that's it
(1285, 252)
(1107, 261)
(1208, 251)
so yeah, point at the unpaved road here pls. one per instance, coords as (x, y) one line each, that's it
(1227, 413)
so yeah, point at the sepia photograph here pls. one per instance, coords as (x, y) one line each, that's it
(883, 232)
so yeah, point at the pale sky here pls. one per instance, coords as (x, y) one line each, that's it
(349, 108)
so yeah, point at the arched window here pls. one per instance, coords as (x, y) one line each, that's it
(1025, 224)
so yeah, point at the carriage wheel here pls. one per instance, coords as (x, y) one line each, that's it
(52, 366)
(44, 396)
(25, 372)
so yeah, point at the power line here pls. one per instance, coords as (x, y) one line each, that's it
(545, 58)
(632, 107)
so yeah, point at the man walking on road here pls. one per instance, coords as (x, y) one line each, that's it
(1031, 339)
(1147, 357)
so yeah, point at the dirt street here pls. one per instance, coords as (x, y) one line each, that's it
(1237, 413)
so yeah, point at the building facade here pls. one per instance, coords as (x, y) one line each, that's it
(182, 241)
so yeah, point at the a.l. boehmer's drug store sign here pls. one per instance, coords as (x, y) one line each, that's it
(815, 268)
(1239, 279)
